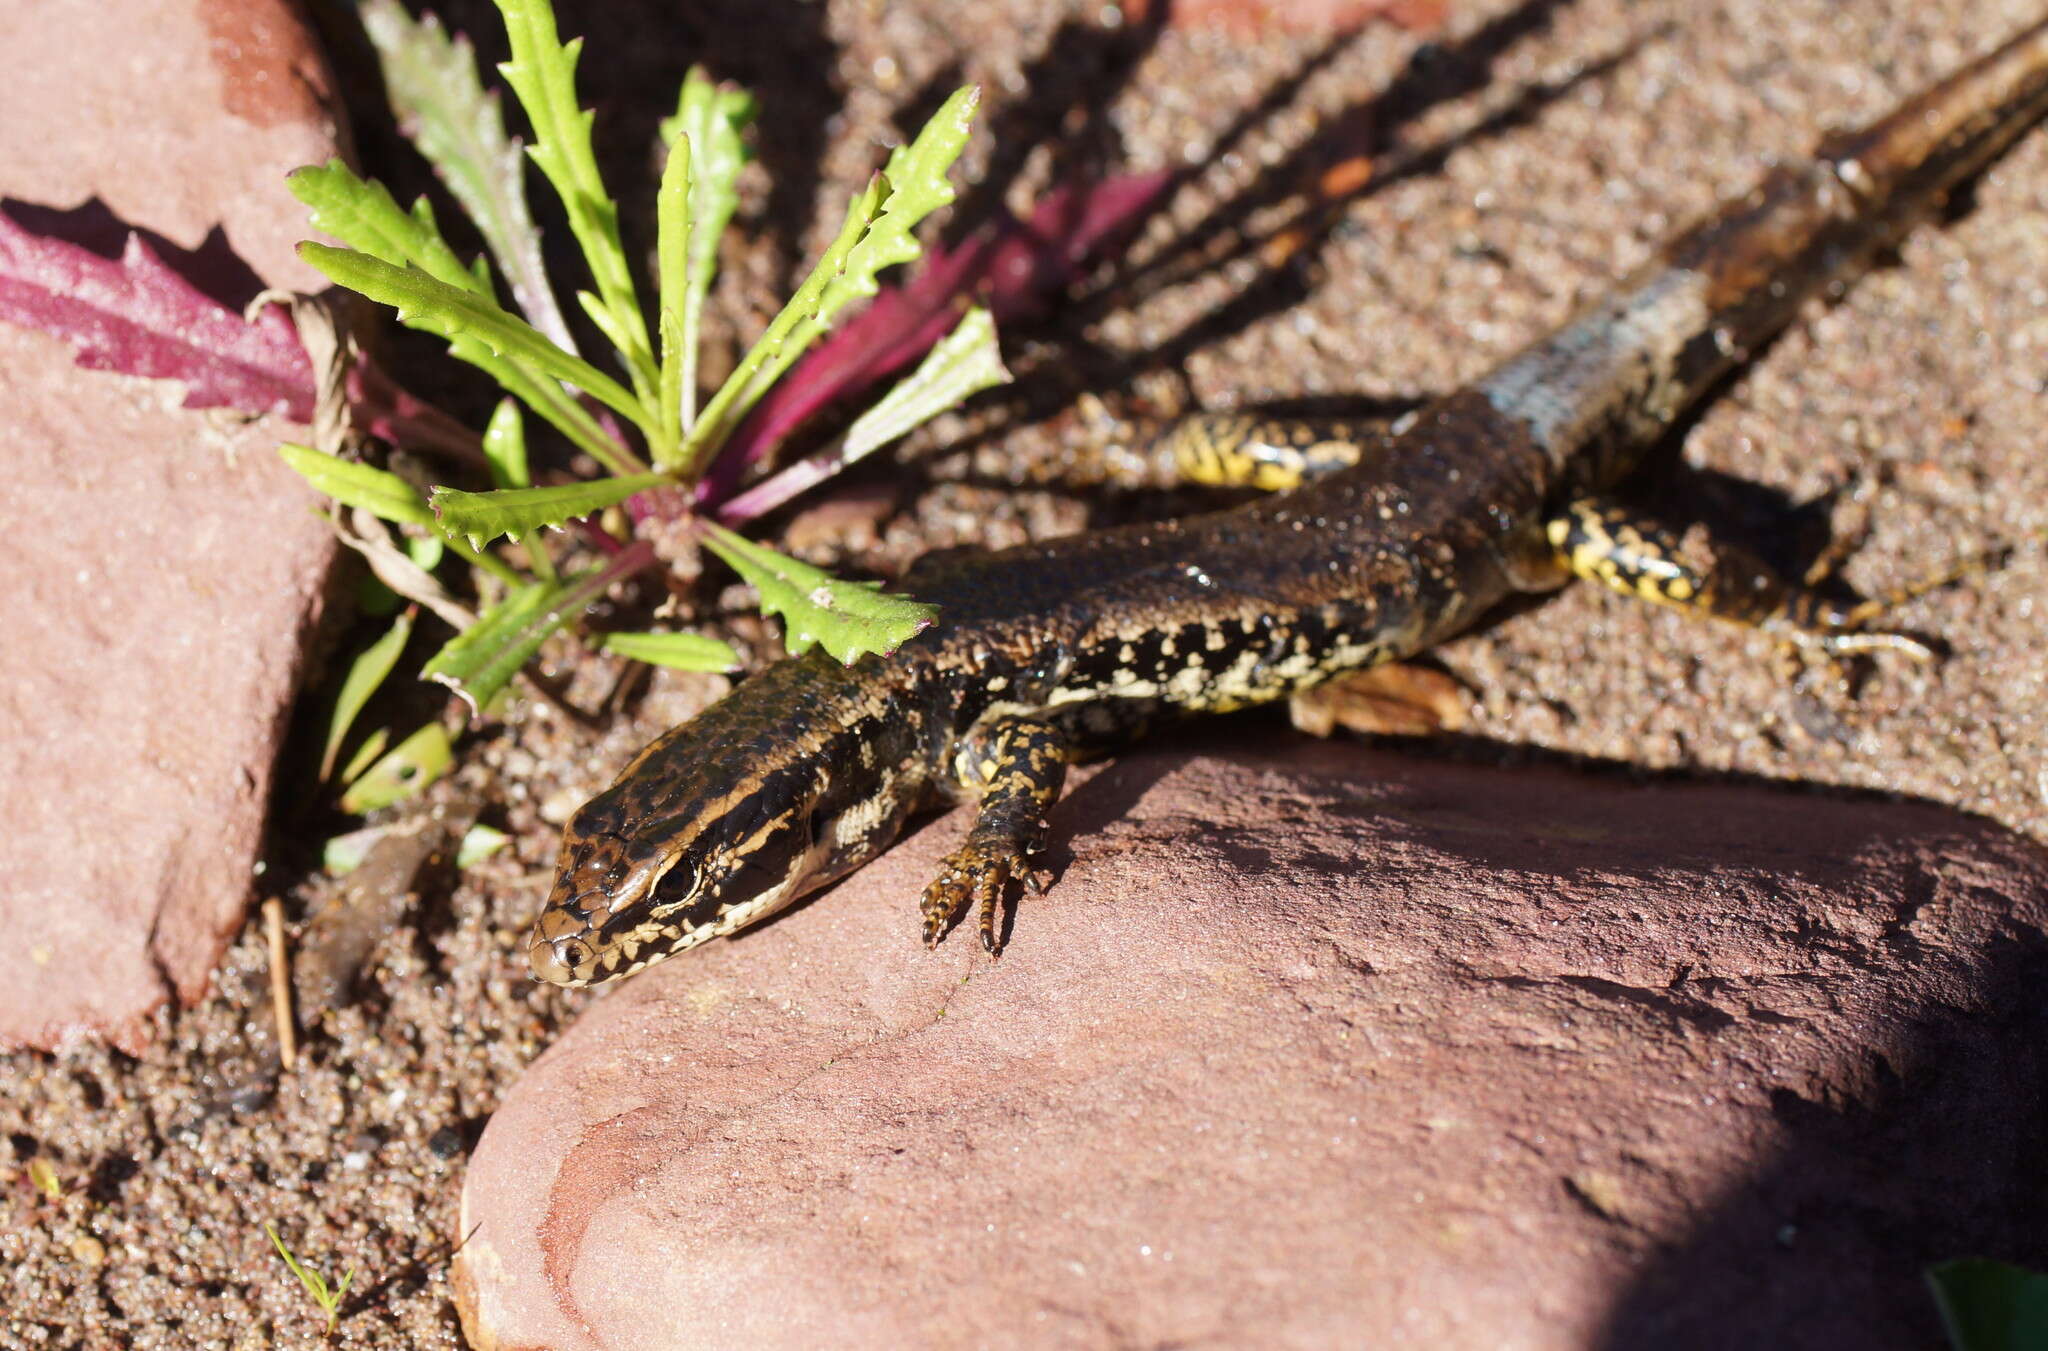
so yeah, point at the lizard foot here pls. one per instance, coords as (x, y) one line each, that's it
(980, 871)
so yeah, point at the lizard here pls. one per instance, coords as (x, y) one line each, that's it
(1051, 651)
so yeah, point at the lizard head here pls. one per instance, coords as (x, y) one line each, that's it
(661, 861)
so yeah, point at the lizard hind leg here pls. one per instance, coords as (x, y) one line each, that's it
(1606, 542)
(1016, 766)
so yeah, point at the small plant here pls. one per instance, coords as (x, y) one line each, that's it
(44, 1179)
(637, 415)
(328, 1299)
(1991, 1306)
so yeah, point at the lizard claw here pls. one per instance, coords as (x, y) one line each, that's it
(979, 873)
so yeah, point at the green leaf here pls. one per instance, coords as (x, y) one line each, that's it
(342, 854)
(960, 365)
(518, 512)
(426, 551)
(361, 214)
(425, 302)
(1991, 1306)
(372, 747)
(542, 72)
(917, 187)
(818, 609)
(765, 360)
(329, 1300)
(875, 235)
(478, 844)
(442, 104)
(713, 119)
(505, 446)
(482, 659)
(684, 651)
(401, 772)
(365, 674)
(673, 226)
(43, 1177)
(377, 491)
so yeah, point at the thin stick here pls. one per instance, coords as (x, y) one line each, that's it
(280, 984)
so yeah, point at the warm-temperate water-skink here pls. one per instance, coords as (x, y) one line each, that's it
(1044, 653)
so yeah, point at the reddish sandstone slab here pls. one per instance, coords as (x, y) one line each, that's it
(1314, 1047)
(162, 564)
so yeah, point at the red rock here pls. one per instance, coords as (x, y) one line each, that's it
(163, 563)
(1311, 1047)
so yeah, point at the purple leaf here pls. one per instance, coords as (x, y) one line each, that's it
(137, 316)
(1016, 268)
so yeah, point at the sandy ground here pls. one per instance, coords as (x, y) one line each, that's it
(1527, 156)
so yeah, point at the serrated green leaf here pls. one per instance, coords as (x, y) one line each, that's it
(479, 843)
(965, 361)
(377, 491)
(875, 235)
(683, 651)
(482, 659)
(714, 119)
(425, 302)
(361, 214)
(518, 512)
(960, 365)
(366, 754)
(1991, 1306)
(917, 187)
(765, 360)
(441, 102)
(401, 772)
(818, 609)
(505, 446)
(542, 73)
(673, 224)
(365, 674)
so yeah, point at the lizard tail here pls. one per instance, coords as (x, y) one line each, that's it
(1904, 163)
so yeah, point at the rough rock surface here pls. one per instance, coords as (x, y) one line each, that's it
(1312, 1047)
(163, 563)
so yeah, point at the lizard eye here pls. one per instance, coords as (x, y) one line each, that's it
(677, 886)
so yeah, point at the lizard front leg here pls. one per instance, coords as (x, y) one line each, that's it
(1015, 766)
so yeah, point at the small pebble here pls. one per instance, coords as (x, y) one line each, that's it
(88, 1250)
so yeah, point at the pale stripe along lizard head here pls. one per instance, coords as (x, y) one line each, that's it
(720, 823)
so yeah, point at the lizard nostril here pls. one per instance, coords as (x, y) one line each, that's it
(560, 961)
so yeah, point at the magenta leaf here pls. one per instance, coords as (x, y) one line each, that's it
(137, 316)
(1012, 266)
